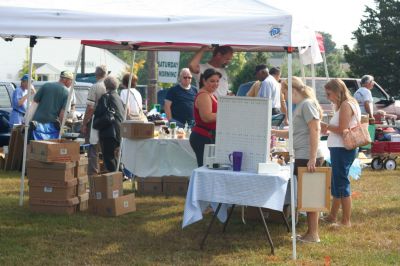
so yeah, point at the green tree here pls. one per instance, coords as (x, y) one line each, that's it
(377, 51)
(245, 70)
(25, 66)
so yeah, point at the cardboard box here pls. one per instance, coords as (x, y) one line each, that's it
(68, 206)
(113, 207)
(58, 171)
(52, 190)
(83, 185)
(83, 202)
(175, 185)
(106, 186)
(55, 150)
(149, 186)
(81, 167)
(137, 130)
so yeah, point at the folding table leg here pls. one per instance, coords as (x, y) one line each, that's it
(229, 217)
(286, 221)
(209, 226)
(266, 230)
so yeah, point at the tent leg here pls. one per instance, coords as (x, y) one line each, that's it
(292, 204)
(71, 91)
(313, 78)
(32, 42)
(127, 102)
(325, 65)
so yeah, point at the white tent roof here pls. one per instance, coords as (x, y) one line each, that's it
(241, 22)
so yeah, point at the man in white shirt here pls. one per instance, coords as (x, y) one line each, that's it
(270, 88)
(222, 56)
(364, 96)
(95, 92)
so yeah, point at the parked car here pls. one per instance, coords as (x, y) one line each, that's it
(382, 100)
(6, 91)
(81, 91)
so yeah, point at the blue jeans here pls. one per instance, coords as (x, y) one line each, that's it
(341, 161)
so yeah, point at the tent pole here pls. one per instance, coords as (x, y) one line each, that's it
(127, 102)
(325, 65)
(32, 42)
(313, 77)
(303, 73)
(292, 202)
(70, 93)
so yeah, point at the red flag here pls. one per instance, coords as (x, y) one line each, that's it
(320, 40)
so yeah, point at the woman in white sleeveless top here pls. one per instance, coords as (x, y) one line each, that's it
(346, 116)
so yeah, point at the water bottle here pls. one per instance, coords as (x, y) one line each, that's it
(164, 116)
(186, 128)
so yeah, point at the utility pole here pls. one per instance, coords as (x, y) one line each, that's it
(83, 60)
(152, 81)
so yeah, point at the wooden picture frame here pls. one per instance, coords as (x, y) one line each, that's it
(314, 189)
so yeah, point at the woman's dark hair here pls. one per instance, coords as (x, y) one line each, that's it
(208, 73)
(125, 80)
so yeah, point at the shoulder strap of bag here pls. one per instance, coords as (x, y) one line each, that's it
(140, 108)
(355, 112)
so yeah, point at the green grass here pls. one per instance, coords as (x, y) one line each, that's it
(153, 236)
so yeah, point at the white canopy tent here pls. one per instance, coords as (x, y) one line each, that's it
(251, 25)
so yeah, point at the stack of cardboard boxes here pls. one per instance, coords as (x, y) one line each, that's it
(106, 195)
(166, 185)
(53, 183)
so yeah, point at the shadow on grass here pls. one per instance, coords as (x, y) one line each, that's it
(151, 235)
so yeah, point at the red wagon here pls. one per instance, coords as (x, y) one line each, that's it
(385, 154)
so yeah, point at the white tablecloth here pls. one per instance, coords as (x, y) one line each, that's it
(158, 157)
(242, 188)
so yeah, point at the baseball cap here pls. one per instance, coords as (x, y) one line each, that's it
(25, 77)
(67, 74)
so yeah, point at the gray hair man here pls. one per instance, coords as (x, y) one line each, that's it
(364, 96)
(179, 100)
(95, 92)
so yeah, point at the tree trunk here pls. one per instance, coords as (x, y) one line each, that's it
(152, 80)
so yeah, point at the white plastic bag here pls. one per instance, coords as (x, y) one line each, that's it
(94, 134)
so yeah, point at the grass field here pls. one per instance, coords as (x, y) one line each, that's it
(153, 235)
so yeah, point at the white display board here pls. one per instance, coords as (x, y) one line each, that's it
(243, 124)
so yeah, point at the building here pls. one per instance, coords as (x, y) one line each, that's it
(51, 56)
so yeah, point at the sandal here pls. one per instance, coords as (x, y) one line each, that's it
(338, 226)
(306, 240)
(325, 219)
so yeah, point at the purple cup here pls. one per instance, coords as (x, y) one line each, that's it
(236, 160)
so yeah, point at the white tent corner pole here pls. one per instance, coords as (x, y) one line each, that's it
(70, 93)
(291, 155)
(325, 65)
(313, 77)
(302, 71)
(32, 42)
(127, 102)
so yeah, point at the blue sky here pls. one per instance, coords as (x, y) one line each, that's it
(339, 18)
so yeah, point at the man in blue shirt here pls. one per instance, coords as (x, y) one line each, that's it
(179, 101)
(19, 102)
